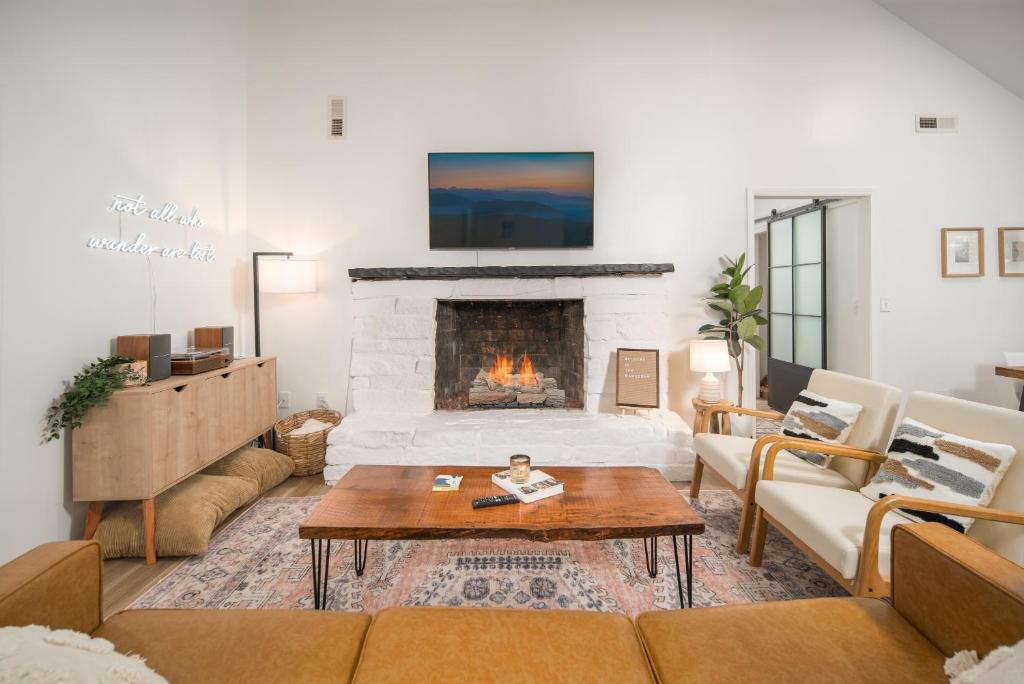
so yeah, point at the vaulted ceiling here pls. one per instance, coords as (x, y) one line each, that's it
(987, 34)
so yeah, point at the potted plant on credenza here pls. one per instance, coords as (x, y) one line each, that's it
(90, 388)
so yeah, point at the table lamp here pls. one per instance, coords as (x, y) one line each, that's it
(281, 275)
(709, 357)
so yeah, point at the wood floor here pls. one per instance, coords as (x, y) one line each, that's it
(126, 579)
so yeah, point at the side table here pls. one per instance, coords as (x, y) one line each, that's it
(720, 422)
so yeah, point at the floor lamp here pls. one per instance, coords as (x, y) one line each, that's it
(280, 276)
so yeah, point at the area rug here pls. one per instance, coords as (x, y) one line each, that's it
(258, 561)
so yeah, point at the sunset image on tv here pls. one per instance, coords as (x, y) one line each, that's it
(511, 200)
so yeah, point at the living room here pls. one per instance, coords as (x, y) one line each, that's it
(270, 269)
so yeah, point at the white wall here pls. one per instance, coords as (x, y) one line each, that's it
(96, 99)
(686, 104)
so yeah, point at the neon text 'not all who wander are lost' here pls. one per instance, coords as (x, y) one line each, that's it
(167, 213)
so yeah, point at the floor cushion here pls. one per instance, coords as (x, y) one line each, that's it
(242, 645)
(729, 456)
(830, 521)
(809, 640)
(186, 515)
(491, 645)
(266, 467)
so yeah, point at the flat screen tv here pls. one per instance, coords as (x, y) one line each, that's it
(511, 200)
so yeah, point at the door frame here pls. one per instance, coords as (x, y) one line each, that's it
(750, 381)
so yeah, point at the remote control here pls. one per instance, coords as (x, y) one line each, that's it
(488, 501)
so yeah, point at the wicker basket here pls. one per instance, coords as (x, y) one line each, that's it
(308, 450)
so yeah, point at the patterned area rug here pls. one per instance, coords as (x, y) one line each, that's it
(258, 561)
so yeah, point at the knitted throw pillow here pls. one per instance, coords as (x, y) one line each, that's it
(822, 419)
(927, 463)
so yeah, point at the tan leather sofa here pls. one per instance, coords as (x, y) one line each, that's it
(949, 594)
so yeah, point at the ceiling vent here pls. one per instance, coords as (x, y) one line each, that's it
(336, 114)
(937, 124)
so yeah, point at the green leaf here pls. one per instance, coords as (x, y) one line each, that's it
(747, 328)
(740, 260)
(725, 306)
(754, 297)
(739, 294)
(760, 320)
(757, 342)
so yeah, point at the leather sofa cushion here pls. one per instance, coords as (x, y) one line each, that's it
(729, 456)
(266, 467)
(830, 521)
(241, 645)
(186, 515)
(810, 640)
(484, 645)
(55, 584)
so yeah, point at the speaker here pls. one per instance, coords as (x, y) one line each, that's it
(155, 350)
(215, 337)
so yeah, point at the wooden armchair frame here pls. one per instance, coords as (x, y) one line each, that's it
(869, 581)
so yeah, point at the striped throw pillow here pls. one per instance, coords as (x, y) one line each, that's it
(927, 463)
(813, 416)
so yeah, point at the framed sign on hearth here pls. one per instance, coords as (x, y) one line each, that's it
(637, 378)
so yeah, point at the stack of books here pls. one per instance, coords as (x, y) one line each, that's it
(539, 486)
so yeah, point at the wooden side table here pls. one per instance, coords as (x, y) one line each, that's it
(720, 422)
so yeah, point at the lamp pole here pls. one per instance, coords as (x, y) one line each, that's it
(256, 289)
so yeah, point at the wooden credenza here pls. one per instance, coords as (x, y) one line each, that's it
(149, 438)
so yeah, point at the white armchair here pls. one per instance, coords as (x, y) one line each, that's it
(737, 459)
(848, 534)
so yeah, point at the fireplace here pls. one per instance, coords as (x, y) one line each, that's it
(509, 354)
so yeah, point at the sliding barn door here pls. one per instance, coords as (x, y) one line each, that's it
(796, 303)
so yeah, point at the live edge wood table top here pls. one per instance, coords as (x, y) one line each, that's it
(396, 502)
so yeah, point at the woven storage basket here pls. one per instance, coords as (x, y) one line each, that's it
(308, 450)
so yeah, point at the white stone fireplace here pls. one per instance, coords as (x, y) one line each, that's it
(393, 367)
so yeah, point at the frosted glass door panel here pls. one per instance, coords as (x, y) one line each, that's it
(807, 290)
(780, 287)
(807, 238)
(782, 337)
(780, 238)
(807, 341)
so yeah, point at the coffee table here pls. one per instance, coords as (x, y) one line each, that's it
(396, 502)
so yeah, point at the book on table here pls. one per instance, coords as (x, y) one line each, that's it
(539, 486)
(447, 483)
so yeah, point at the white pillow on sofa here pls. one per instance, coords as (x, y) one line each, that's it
(44, 656)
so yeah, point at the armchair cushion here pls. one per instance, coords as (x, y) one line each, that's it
(829, 521)
(817, 417)
(929, 463)
(729, 456)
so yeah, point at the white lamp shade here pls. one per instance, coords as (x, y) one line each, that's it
(287, 276)
(709, 356)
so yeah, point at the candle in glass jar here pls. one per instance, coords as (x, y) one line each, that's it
(519, 465)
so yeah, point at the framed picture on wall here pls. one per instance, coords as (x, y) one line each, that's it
(963, 252)
(1011, 252)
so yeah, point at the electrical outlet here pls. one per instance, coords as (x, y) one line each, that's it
(321, 400)
(284, 400)
(884, 305)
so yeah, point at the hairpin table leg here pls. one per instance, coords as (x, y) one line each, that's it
(361, 548)
(651, 555)
(321, 571)
(688, 556)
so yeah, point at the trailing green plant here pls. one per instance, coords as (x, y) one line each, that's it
(740, 316)
(92, 387)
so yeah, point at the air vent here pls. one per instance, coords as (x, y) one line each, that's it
(336, 115)
(937, 124)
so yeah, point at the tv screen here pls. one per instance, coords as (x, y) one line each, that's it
(515, 200)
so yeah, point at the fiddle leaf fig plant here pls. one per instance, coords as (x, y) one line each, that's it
(737, 304)
(92, 387)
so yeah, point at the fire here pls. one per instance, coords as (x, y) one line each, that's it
(503, 371)
(527, 375)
